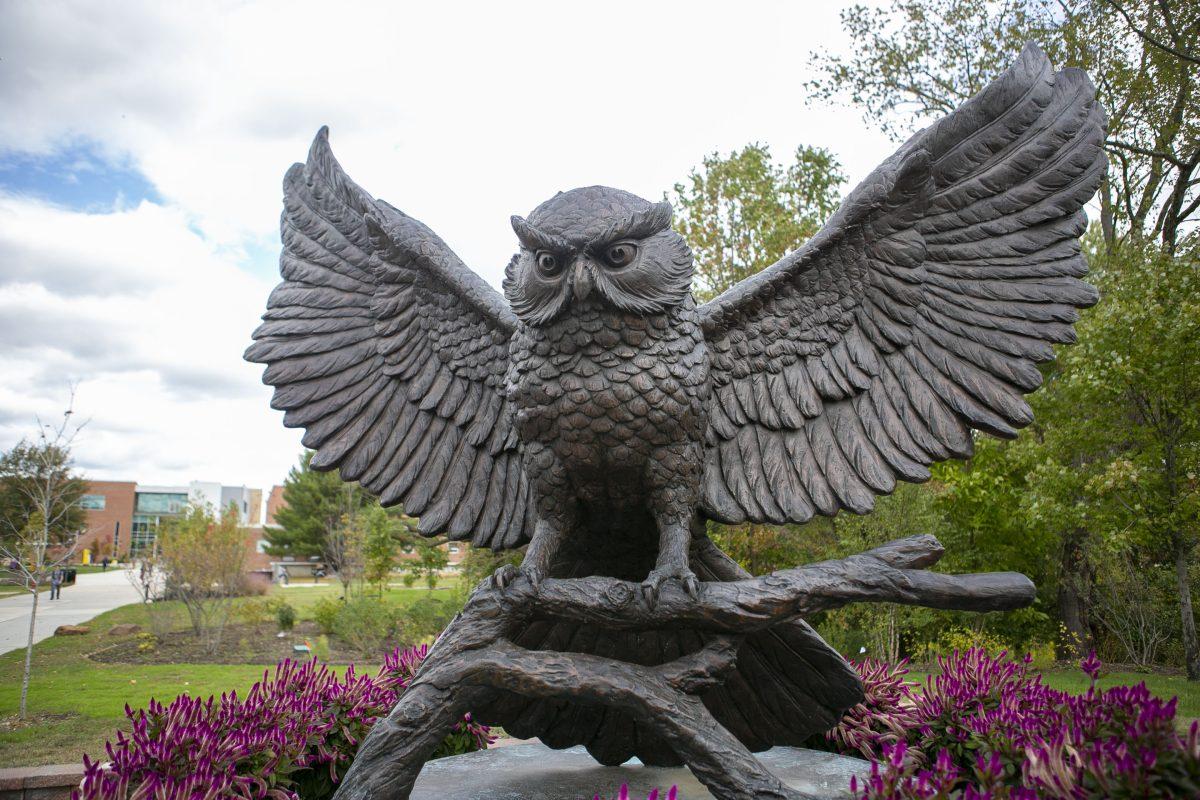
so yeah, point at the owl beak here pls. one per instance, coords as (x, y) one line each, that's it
(583, 282)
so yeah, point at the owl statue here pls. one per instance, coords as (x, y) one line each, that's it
(596, 413)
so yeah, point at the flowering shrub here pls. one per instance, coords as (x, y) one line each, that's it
(989, 728)
(292, 736)
(624, 794)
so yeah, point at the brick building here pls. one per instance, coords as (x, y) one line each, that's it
(123, 517)
(109, 507)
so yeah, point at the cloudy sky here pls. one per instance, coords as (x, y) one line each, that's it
(142, 148)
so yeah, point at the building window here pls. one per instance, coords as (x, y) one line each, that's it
(262, 545)
(161, 502)
(92, 502)
(144, 533)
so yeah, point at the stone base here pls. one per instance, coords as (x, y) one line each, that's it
(535, 772)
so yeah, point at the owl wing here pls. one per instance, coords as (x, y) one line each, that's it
(391, 353)
(917, 313)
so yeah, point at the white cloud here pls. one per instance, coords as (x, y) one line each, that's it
(459, 114)
(150, 321)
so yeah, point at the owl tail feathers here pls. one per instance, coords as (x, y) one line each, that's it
(789, 684)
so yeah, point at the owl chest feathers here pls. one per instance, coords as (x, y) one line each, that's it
(604, 389)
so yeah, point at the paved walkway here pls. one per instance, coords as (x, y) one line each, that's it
(92, 594)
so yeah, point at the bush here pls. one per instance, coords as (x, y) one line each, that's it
(325, 612)
(624, 794)
(427, 617)
(367, 625)
(291, 737)
(253, 610)
(285, 615)
(987, 727)
(254, 584)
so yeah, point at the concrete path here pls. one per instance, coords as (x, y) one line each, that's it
(92, 594)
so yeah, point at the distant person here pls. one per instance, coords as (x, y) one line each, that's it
(283, 575)
(56, 580)
(104, 564)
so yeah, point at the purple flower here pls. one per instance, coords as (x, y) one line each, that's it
(989, 728)
(298, 726)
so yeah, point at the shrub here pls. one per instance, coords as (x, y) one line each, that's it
(254, 584)
(285, 615)
(623, 794)
(367, 625)
(325, 612)
(427, 617)
(291, 737)
(253, 610)
(987, 727)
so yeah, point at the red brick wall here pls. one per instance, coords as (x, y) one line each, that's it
(256, 561)
(102, 523)
(274, 503)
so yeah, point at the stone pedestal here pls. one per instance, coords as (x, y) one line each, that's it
(535, 772)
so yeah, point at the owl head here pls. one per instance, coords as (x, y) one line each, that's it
(597, 242)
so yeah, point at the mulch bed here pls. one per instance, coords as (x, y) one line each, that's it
(241, 644)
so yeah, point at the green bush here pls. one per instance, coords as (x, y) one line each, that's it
(367, 625)
(253, 610)
(325, 612)
(285, 615)
(427, 618)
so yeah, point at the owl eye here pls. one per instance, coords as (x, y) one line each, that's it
(548, 263)
(620, 254)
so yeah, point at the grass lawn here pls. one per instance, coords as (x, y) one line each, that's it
(303, 595)
(84, 569)
(78, 703)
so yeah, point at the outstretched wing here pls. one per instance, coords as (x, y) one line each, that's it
(391, 353)
(918, 312)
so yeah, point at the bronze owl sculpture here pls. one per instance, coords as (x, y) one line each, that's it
(602, 416)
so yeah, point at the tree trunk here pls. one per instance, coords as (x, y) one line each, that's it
(1191, 652)
(29, 654)
(1073, 579)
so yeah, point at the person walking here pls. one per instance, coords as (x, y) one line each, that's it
(104, 564)
(56, 579)
(283, 575)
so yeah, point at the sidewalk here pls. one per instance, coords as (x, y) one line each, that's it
(92, 594)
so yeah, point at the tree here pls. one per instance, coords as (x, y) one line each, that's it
(344, 547)
(42, 518)
(380, 543)
(910, 509)
(203, 558)
(428, 557)
(23, 473)
(315, 504)
(1108, 469)
(742, 212)
(1143, 396)
(918, 59)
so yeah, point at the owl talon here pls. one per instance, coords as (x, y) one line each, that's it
(657, 577)
(504, 576)
(534, 574)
